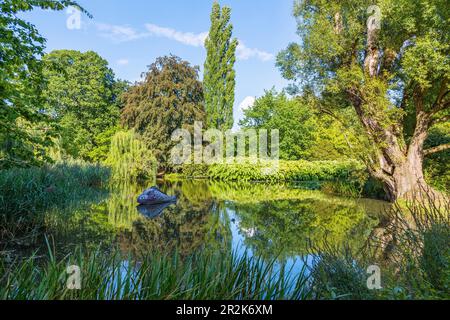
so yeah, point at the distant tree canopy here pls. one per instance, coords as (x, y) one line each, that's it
(304, 134)
(83, 97)
(219, 75)
(25, 131)
(169, 98)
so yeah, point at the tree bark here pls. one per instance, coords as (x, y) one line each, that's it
(401, 169)
(398, 167)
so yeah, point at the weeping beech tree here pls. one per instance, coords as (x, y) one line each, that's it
(170, 97)
(389, 61)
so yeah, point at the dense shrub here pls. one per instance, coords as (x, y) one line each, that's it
(285, 171)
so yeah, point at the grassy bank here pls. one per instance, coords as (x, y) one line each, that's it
(27, 195)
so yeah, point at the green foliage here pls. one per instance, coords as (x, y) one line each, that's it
(25, 131)
(395, 79)
(219, 75)
(26, 194)
(286, 171)
(437, 166)
(412, 251)
(413, 39)
(130, 159)
(83, 98)
(420, 251)
(170, 98)
(339, 277)
(435, 258)
(204, 276)
(303, 133)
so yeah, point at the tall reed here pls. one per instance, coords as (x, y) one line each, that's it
(206, 275)
(28, 194)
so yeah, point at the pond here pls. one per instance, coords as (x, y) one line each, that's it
(286, 222)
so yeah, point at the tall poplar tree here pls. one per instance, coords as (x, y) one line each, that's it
(219, 75)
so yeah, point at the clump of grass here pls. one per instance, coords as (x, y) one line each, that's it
(26, 194)
(206, 275)
(418, 247)
(341, 188)
(412, 250)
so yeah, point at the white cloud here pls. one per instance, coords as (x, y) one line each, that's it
(187, 38)
(123, 62)
(119, 33)
(247, 103)
(245, 53)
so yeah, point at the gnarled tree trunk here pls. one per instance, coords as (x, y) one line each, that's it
(397, 165)
(401, 170)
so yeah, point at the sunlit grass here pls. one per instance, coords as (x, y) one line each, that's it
(204, 276)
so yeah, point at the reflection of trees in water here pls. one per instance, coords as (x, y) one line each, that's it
(275, 219)
(247, 192)
(278, 220)
(122, 205)
(285, 228)
(195, 222)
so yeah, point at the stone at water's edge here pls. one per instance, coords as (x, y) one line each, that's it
(154, 196)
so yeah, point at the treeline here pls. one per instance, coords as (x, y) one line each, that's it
(70, 105)
(80, 110)
(394, 118)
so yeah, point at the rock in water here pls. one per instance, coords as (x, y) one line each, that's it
(154, 196)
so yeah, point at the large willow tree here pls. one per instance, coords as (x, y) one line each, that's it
(390, 63)
(219, 76)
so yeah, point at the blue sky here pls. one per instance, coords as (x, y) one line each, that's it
(131, 34)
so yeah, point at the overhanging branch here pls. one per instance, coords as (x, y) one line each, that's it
(440, 120)
(436, 149)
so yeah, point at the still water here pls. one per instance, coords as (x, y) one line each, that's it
(277, 221)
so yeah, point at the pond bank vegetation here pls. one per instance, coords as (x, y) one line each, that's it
(422, 248)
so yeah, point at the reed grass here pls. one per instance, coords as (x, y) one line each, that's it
(206, 275)
(27, 195)
(412, 248)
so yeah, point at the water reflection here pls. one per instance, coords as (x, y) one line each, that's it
(268, 220)
(260, 219)
(154, 210)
